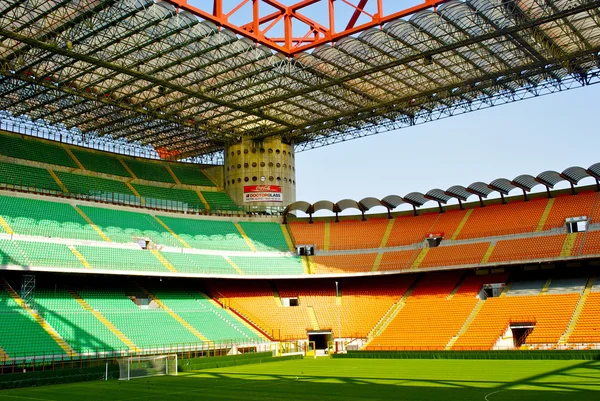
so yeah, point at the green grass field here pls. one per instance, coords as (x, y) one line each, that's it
(349, 379)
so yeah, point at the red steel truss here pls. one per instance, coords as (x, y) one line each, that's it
(290, 16)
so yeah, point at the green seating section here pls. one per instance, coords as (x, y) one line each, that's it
(44, 218)
(27, 176)
(10, 254)
(162, 198)
(265, 236)
(190, 174)
(145, 327)
(196, 309)
(122, 226)
(77, 326)
(96, 187)
(20, 334)
(46, 254)
(100, 162)
(219, 201)
(34, 150)
(149, 171)
(120, 259)
(269, 265)
(207, 234)
(200, 264)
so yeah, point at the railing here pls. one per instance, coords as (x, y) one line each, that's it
(168, 205)
(32, 362)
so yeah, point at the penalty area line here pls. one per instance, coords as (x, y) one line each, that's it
(495, 392)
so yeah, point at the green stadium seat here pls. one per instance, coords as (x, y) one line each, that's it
(169, 198)
(43, 218)
(219, 201)
(98, 188)
(146, 170)
(265, 236)
(279, 265)
(123, 226)
(27, 176)
(101, 162)
(120, 259)
(207, 234)
(190, 174)
(200, 264)
(32, 149)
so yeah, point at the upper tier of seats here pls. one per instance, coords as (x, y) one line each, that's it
(81, 179)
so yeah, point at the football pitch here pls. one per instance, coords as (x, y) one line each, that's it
(348, 379)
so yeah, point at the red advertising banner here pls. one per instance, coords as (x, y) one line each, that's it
(262, 193)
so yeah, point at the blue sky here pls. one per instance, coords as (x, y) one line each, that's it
(547, 133)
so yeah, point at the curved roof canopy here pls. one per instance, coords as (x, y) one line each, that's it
(145, 72)
(501, 185)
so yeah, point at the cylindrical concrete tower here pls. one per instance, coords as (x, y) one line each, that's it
(260, 175)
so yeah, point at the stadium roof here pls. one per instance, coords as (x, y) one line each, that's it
(144, 71)
(482, 190)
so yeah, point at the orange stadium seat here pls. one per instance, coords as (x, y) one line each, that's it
(550, 314)
(399, 260)
(528, 248)
(587, 329)
(356, 234)
(587, 243)
(455, 255)
(408, 230)
(348, 263)
(512, 218)
(308, 234)
(566, 206)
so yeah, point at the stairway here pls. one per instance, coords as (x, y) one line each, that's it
(313, 318)
(466, 324)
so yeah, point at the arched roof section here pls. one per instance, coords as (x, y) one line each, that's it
(574, 174)
(502, 185)
(438, 195)
(594, 170)
(549, 178)
(348, 204)
(526, 182)
(300, 206)
(459, 192)
(370, 203)
(416, 199)
(480, 189)
(324, 205)
(393, 201)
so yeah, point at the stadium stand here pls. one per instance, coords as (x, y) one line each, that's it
(44, 218)
(345, 263)
(149, 171)
(399, 260)
(356, 234)
(408, 230)
(219, 201)
(283, 265)
(266, 236)
(120, 259)
(169, 198)
(27, 176)
(96, 187)
(308, 234)
(587, 329)
(199, 264)
(101, 163)
(528, 248)
(566, 206)
(512, 218)
(455, 255)
(125, 226)
(28, 149)
(191, 175)
(207, 234)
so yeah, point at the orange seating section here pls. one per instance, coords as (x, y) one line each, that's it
(346, 263)
(591, 243)
(308, 234)
(257, 303)
(428, 320)
(472, 284)
(550, 314)
(511, 218)
(408, 230)
(566, 206)
(587, 329)
(398, 260)
(356, 234)
(528, 248)
(455, 255)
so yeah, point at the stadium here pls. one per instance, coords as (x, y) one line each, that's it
(152, 245)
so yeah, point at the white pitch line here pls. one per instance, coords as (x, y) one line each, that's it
(495, 392)
(24, 398)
